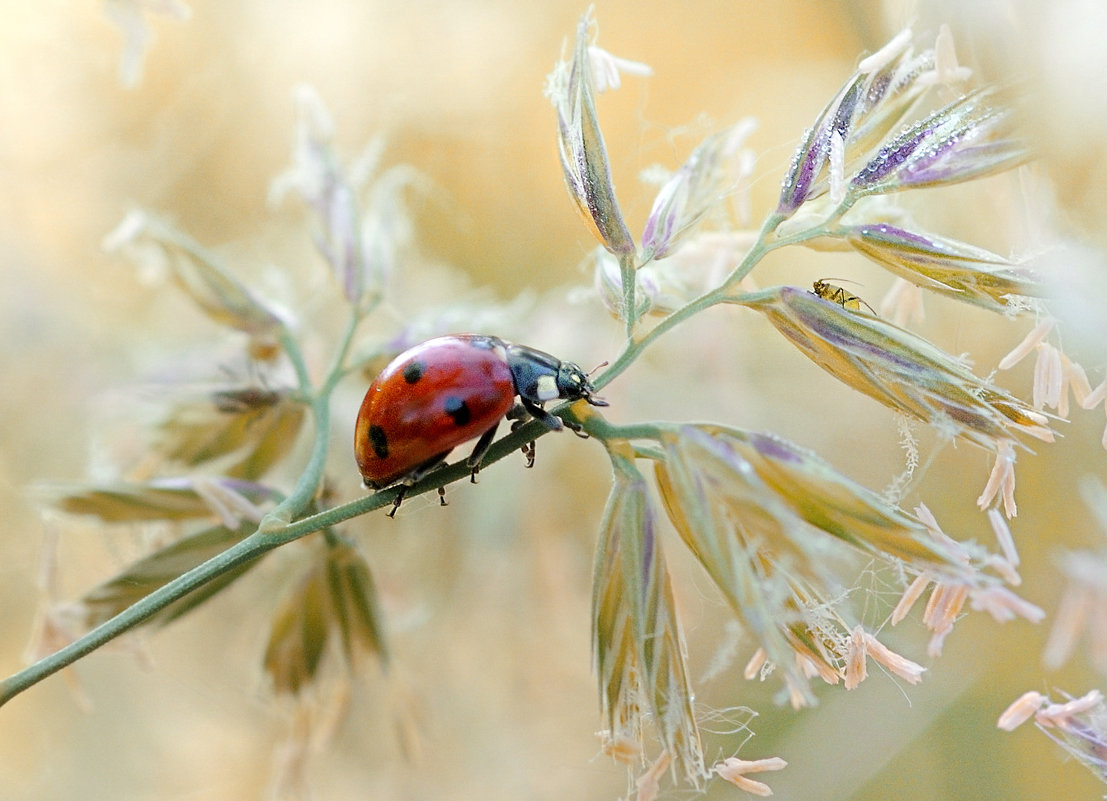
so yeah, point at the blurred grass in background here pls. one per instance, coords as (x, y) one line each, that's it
(490, 693)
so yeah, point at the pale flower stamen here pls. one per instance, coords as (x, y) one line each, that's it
(1005, 569)
(887, 54)
(926, 517)
(734, 770)
(1001, 481)
(1074, 380)
(796, 697)
(1029, 342)
(1077, 380)
(942, 609)
(910, 596)
(945, 604)
(620, 746)
(607, 69)
(1048, 377)
(1060, 715)
(1077, 725)
(1004, 605)
(936, 643)
(649, 783)
(946, 66)
(1096, 396)
(1068, 622)
(1003, 537)
(810, 668)
(756, 666)
(1020, 710)
(903, 667)
(856, 667)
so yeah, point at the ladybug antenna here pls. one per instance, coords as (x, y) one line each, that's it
(596, 400)
(599, 366)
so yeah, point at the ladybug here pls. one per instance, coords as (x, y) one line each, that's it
(449, 390)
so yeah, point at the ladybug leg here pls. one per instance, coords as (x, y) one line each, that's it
(412, 478)
(399, 499)
(528, 447)
(542, 416)
(479, 450)
(550, 421)
(577, 429)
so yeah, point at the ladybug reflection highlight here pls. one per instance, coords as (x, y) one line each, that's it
(452, 389)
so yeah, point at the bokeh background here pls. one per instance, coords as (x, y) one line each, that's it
(489, 694)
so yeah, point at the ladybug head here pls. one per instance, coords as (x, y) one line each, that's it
(540, 377)
(573, 384)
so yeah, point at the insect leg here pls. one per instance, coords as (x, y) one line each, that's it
(542, 416)
(399, 499)
(416, 475)
(481, 448)
(520, 416)
(528, 453)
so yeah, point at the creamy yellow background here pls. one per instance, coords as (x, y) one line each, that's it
(488, 600)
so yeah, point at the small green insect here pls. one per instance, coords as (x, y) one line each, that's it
(836, 294)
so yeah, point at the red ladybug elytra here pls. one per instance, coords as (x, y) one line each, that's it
(449, 390)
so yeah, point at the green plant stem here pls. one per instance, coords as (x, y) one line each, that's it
(249, 549)
(600, 428)
(766, 242)
(636, 344)
(277, 527)
(312, 475)
(273, 531)
(628, 267)
(310, 478)
(292, 350)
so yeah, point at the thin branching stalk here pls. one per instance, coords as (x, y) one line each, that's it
(766, 519)
(249, 549)
(637, 343)
(312, 477)
(253, 547)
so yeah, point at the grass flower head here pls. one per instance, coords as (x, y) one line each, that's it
(899, 369)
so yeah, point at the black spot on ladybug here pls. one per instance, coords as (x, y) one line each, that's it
(457, 409)
(414, 371)
(379, 440)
